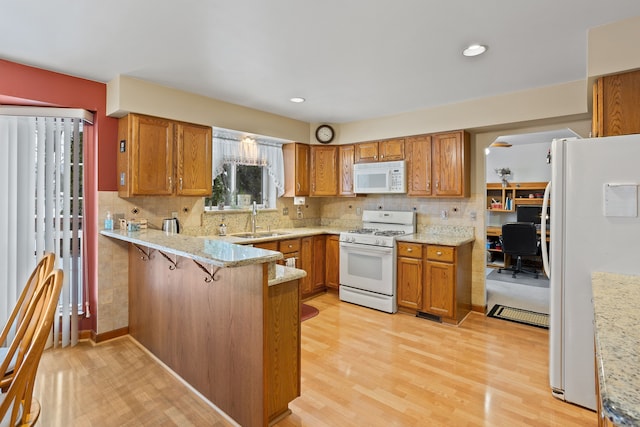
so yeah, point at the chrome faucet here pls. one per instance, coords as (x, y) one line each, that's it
(254, 214)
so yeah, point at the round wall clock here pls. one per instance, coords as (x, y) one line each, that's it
(325, 134)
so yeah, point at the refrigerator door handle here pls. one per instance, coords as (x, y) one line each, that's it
(543, 229)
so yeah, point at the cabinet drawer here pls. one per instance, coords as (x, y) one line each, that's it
(290, 245)
(271, 246)
(440, 253)
(411, 250)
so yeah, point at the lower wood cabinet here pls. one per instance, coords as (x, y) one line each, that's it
(332, 262)
(410, 266)
(435, 279)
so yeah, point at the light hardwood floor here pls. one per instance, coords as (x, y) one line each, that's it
(360, 367)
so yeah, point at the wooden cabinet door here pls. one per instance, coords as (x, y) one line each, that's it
(302, 183)
(296, 169)
(324, 171)
(451, 164)
(439, 289)
(418, 149)
(366, 152)
(318, 268)
(332, 262)
(616, 104)
(410, 282)
(345, 165)
(271, 246)
(306, 264)
(152, 155)
(391, 149)
(194, 160)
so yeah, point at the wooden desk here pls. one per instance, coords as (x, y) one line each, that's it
(498, 258)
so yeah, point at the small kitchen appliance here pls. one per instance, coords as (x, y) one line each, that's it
(171, 226)
(368, 259)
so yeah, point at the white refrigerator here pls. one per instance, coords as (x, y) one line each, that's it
(594, 225)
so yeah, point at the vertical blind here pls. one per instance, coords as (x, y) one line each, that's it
(41, 210)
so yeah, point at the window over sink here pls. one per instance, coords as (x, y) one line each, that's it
(245, 170)
(238, 186)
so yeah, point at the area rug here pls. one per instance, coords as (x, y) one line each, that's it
(520, 279)
(307, 312)
(518, 315)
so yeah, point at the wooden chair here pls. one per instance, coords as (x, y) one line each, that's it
(39, 273)
(17, 405)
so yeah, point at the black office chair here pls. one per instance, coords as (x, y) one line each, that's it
(519, 239)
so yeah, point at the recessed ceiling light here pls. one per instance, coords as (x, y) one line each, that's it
(297, 99)
(474, 50)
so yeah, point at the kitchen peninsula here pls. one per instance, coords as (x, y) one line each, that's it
(222, 316)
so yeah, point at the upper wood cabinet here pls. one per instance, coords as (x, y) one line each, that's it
(451, 164)
(158, 156)
(194, 160)
(296, 169)
(380, 151)
(616, 104)
(345, 165)
(438, 165)
(324, 170)
(418, 166)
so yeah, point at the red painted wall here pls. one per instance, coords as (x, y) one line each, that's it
(24, 85)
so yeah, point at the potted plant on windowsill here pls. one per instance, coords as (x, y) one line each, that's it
(218, 192)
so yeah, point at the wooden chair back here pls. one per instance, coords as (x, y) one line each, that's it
(39, 273)
(28, 344)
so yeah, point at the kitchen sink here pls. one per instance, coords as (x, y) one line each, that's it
(258, 235)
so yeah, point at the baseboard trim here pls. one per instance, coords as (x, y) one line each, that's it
(106, 336)
(479, 308)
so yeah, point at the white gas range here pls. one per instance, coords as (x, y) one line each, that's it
(368, 259)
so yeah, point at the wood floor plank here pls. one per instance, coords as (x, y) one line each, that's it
(360, 367)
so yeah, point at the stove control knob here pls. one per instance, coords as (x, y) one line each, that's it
(378, 242)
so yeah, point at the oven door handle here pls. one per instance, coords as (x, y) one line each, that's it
(367, 248)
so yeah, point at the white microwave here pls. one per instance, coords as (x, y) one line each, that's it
(379, 177)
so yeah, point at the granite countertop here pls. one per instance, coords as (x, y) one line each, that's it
(279, 234)
(617, 337)
(211, 251)
(446, 235)
(286, 274)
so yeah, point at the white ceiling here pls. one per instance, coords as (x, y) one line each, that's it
(351, 59)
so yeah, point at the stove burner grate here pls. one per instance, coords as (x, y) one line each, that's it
(389, 233)
(363, 231)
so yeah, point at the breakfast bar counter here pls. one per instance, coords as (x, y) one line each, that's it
(224, 317)
(616, 298)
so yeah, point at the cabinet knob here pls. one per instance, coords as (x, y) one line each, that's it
(382, 156)
(375, 157)
(298, 184)
(180, 184)
(439, 253)
(290, 246)
(170, 184)
(409, 250)
(428, 184)
(437, 183)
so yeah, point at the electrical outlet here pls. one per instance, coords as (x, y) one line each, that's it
(358, 211)
(174, 214)
(285, 211)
